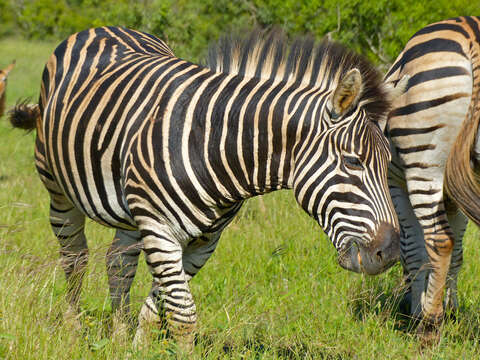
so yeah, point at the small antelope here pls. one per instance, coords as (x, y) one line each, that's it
(3, 85)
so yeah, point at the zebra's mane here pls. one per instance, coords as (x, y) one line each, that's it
(269, 55)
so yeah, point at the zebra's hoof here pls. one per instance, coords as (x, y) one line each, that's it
(451, 307)
(428, 331)
(140, 339)
(120, 329)
(71, 318)
(405, 305)
(185, 344)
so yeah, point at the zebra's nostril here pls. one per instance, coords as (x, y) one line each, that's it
(379, 255)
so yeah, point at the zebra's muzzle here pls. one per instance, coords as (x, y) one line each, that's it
(376, 257)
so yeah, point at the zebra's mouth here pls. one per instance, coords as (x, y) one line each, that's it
(350, 257)
(364, 259)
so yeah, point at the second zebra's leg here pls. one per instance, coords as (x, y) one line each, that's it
(439, 243)
(413, 254)
(170, 297)
(68, 226)
(458, 223)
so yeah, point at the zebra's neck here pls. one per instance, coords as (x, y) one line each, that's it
(254, 130)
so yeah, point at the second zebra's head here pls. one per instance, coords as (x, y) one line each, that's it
(341, 169)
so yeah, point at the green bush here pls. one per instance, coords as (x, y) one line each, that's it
(379, 29)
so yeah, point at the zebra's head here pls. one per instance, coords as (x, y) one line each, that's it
(341, 175)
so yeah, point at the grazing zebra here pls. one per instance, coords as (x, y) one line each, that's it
(432, 128)
(166, 151)
(3, 86)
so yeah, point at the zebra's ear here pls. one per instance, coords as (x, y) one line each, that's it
(347, 93)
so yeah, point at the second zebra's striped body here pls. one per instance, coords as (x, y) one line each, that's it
(166, 151)
(433, 128)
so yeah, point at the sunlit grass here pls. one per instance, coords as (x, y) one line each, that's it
(272, 289)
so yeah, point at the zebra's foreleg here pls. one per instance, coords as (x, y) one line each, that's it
(170, 294)
(458, 223)
(68, 226)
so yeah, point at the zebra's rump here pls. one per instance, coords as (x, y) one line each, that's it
(92, 109)
(438, 60)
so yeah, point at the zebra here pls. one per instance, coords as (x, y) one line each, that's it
(435, 150)
(3, 86)
(166, 151)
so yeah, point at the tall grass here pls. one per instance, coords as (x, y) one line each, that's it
(272, 289)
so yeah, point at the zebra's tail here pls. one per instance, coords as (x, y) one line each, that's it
(462, 177)
(25, 116)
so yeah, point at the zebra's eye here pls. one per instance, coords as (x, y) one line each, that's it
(352, 162)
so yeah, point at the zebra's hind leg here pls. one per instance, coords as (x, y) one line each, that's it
(68, 226)
(458, 223)
(122, 261)
(170, 296)
(439, 242)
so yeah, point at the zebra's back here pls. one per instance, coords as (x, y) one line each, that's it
(98, 88)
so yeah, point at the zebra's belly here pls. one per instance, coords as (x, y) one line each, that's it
(109, 209)
(94, 189)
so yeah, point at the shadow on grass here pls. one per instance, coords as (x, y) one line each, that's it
(97, 324)
(390, 303)
(257, 348)
(377, 299)
(384, 300)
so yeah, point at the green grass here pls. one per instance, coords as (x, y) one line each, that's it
(272, 289)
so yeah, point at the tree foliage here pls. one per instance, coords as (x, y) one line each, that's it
(379, 29)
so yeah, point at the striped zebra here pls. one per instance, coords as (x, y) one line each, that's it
(3, 86)
(166, 151)
(435, 150)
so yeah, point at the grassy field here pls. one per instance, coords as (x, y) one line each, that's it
(272, 290)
